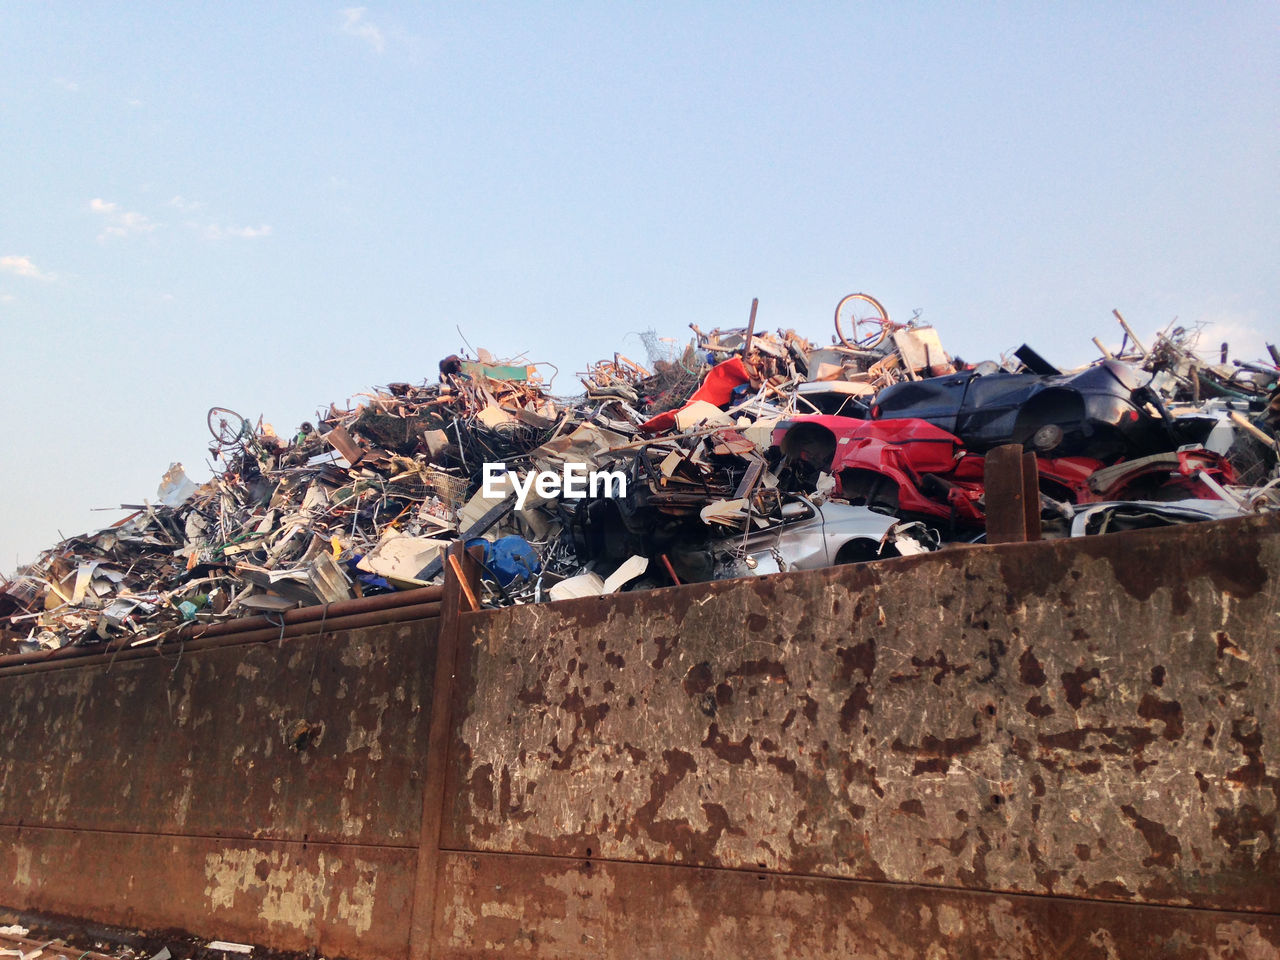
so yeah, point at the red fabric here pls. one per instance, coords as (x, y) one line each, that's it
(717, 388)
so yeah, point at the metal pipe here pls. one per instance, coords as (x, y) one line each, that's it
(302, 616)
(1255, 367)
(89, 656)
(383, 601)
(342, 608)
(375, 618)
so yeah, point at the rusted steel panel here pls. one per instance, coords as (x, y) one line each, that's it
(1084, 718)
(773, 768)
(345, 900)
(321, 739)
(461, 582)
(1004, 479)
(495, 904)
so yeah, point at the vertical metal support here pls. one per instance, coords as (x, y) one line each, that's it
(460, 583)
(1031, 496)
(1003, 480)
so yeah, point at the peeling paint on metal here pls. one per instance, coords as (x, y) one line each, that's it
(1037, 750)
(288, 893)
(218, 731)
(22, 866)
(531, 906)
(1034, 740)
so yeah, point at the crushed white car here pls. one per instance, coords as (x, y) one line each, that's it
(808, 536)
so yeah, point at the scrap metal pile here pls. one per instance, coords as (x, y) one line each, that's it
(740, 453)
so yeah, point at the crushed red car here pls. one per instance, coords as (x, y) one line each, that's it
(912, 468)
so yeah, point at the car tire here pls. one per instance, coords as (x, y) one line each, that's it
(863, 551)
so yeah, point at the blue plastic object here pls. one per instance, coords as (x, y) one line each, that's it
(509, 559)
(370, 584)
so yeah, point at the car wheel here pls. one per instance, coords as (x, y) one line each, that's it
(1044, 423)
(1047, 438)
(862, 551)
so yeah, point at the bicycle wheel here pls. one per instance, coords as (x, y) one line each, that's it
(227, 426)
(861, 321)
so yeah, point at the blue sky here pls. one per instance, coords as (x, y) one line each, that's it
(269, 207)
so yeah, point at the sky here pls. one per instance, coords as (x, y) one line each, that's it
(271, 207)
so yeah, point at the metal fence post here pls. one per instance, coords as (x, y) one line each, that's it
(461, 577)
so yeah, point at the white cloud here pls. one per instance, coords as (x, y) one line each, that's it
(185, 205)
(7, 298)
(1241, 332)
(68, 85)
(120, 222)
(216, 232)
(211, 229)
(250, 233)
(354, 24)
(23, 267)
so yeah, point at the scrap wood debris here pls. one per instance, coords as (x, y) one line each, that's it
(741, 452)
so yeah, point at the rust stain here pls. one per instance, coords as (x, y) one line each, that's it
(858, 736)
(531, 907)
(1030, 671)
(1052, 763)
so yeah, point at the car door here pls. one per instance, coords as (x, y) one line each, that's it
(990, 407)
(938, 400)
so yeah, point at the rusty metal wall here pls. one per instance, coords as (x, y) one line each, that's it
(269, 792)
(1077, 724)
(1033, 750)
(529, 906)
